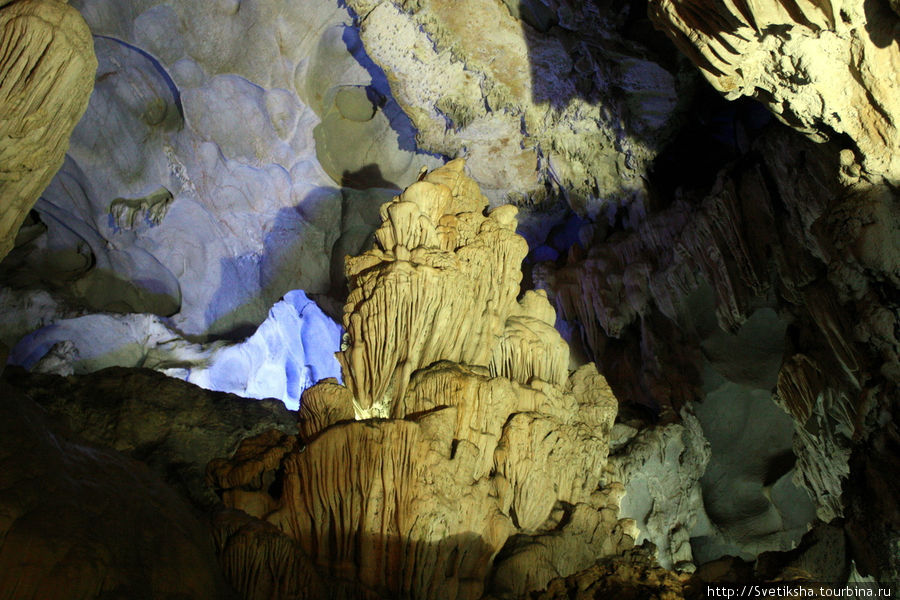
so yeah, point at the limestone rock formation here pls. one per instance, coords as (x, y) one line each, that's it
(696, 240)
(568, 105)
(825, 68)
(434, 249)
(82, 522)
(820, 558)
(47, 66)
(736, 288)
(461, 456)
(250, 551)
(788, 229)
(751, 493)
(205, 179)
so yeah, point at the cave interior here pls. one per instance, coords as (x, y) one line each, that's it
(449, 299)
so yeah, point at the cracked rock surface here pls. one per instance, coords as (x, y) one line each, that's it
(568, 105)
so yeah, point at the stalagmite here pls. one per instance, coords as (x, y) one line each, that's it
(459, 429)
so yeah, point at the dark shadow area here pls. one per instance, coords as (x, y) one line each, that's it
(648, 375)
(170, 425)
(714, 133)
(593, 51)
(360, 218)
(82, 520)
(821, 553)
(779, 466)
(347, 565)
(367, 177)
(882, 23)
(873, 518)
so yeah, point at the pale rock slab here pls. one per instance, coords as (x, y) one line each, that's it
(289, 352)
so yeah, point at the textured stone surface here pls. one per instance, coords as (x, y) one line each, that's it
(437, 471)
(725, 239)
(47, 68)
(764, 236)
(661, 469)
(235, 151)
(83, 522)
(792, 226)
(576, 108)
(267, 563)
(824, 68)
(438, 262)
(632, 575)
(204, 181)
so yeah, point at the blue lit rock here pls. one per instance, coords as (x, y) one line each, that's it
(292, 349)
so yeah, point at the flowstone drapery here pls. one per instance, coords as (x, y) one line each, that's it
(47, 66)
(461, 457)
(824, 68)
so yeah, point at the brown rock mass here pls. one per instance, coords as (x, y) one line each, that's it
(79, 522)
